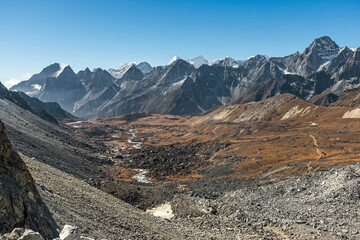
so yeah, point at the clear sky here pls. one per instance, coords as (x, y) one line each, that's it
(105, 33)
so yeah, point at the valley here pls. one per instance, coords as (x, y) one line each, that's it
(270, 169)
(265, 148)
(231, 142)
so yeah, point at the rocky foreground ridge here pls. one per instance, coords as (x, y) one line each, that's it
(21, 204)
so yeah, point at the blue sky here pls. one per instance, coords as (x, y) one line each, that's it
(34, 34)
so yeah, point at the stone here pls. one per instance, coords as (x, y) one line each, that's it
(21, 204)
(68, 231)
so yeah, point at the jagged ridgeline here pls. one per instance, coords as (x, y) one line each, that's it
(20, 203)
(196, 85)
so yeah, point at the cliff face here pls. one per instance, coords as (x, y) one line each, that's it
(20, 202)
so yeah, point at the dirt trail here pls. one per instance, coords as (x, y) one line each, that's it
(318, 152)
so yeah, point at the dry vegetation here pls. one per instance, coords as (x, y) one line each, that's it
(271, 139)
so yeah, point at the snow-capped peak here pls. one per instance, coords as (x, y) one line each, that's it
(142, 66)
(197, 61)
(62, 67)
(228, 61)
(173, 59)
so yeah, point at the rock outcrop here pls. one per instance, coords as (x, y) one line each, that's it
(20, 203)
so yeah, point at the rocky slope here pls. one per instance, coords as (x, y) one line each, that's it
(324, 99)
(350, 98)
(21, 204)
(305, 88)
(51, 108)
(46, 111)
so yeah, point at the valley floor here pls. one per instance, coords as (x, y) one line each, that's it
(278, 169)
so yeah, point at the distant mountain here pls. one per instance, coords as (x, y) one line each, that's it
(347, 75)
(65, 89)
(47, 111)
(228, 61)
(33, 85)
(299, 86)
(321, 51)
(142, 66)
(195, 85)
(175, 58)
(197, 61)
(100, 88)
(149, 91)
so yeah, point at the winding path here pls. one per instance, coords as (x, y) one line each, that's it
(318, 152)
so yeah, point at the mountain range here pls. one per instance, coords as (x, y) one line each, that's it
(196, 85)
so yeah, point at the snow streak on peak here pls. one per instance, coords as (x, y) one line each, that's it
(197, 61)
(118, 73)
(62, 67)
(228, 61)
(173, 59)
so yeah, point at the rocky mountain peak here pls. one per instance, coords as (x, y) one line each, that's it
(180, 63)
(197, 61)
(67, 71)
(357, 54)
(145, 67)
(51, 69)
(175, 58)
(324, 47)
(133, 73)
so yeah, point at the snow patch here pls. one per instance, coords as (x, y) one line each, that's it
(36, 86)
(352, 113)
(197, 61)
(322, 66)
(119, 72)
(296, 111)
(173, 59)
(62, 67)
(285, 71)
(163, 211)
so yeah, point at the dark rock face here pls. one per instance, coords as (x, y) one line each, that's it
(133, 73)
(29, 86)
(66, 89)
(351, 68)
(100, 88)
(299, 86)
(51, 108)
(323, 99)
(350, 98)
(344, 54)
(320, 51)
(20, 202)
(22, 100)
